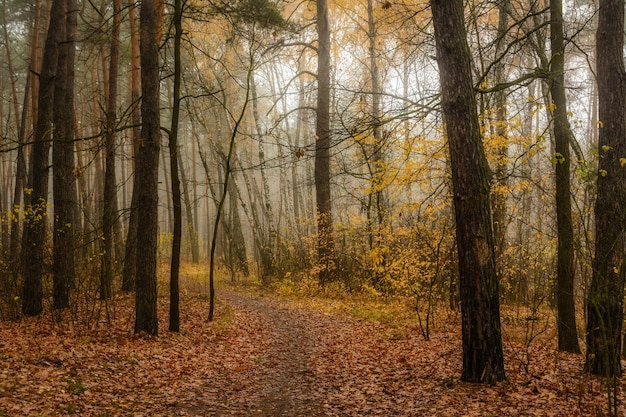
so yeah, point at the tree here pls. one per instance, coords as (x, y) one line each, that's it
(605, 298)
(483, 359)
(64, 182)
(109, 210)
(130, 249)
(147, 171)
(566, 310)
(174, 171)
(34, 237)
(325, 240)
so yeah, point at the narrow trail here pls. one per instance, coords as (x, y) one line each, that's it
(287, 378)
(304, 362)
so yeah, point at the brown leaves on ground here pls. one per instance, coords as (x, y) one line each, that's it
(266, 357)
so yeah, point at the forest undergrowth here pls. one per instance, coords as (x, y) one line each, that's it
(290, 350)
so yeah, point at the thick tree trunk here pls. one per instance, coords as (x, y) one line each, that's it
(480, 307)
(325, 240)
(566, 310)
(35, 223)
(64, 182)
(604, 302)
(147, 171)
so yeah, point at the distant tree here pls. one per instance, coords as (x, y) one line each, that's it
(147, 171)
(483, 359)
(35, 222)
(606, 294)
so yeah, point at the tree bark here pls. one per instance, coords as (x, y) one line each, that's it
(64, 182)
(147, 171)
(605, 298)
(566, 310)
(35, 224)
(109, 199)
(174, 325)
(325, 239)
(130, 249)
(480, 306)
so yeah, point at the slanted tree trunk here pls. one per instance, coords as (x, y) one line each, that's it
(147, 171)
(605, 298)
(566, 310)
(64, 182)
(325, 239)
(35, 222)
(480, 306)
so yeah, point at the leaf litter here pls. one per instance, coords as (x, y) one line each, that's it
(269, 357)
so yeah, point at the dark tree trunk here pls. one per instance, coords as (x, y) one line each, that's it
(64, 184)
(174, 324)
(604, 302)
(480, 306)
(35, 223)
(147, 172)
(130, 251)
(109, 199)
(566, 310)
(325, 240)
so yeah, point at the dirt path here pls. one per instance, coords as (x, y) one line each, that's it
(307, 363)
(286, 378)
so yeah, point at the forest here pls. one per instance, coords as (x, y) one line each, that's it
(325, 207)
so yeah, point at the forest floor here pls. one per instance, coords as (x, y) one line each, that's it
(266, 355)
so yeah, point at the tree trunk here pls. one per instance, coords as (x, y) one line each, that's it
(377, 149)
(480, 306)
(147, 171)
(109, 209)
(325, 239)
(35, 223)
(174, 325)
(500, 129)
(267, 239)
(605, 298)
(130, 249)
(566, 310)
(191, 213)
(64, 182)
